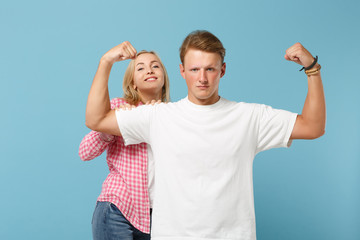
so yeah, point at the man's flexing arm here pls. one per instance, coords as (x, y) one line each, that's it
(310, 124)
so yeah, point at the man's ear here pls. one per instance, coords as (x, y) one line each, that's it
(223, 69)
(182, 70)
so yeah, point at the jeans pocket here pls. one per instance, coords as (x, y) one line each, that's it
(116, 215)
(100, 212)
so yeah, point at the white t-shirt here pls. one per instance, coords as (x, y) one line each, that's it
(151, 174)
(203, 163)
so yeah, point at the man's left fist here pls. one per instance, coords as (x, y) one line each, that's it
(297, 53)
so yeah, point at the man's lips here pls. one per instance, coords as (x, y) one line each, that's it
(202, 86)
(150, 79)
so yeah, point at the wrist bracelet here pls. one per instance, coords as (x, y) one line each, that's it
(311, 66)
(313, 71)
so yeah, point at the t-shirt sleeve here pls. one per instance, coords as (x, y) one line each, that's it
(135, 124)
(275, 128)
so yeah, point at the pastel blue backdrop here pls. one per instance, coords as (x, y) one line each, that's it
(49, 52)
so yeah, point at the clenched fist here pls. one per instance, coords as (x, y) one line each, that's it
(120, 52)
(297, 53)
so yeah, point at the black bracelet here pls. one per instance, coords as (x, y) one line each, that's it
(312, 65)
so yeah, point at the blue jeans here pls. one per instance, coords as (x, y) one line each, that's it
(109, 223)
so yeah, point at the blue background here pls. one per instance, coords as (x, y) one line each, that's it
(49, 52)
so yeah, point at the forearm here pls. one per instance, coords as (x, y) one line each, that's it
(311, 123)
(98, 104)
(314, 110)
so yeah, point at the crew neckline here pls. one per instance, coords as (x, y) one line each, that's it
(203, 107)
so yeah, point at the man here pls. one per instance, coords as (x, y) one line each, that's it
(204, 145)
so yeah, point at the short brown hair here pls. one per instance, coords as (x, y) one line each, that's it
(204, 41)
(130, 94)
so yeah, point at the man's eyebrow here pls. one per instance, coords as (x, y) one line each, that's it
(205, 66)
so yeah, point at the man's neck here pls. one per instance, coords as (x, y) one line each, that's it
(208, 101)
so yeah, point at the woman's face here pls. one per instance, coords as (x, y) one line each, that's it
(148, 75)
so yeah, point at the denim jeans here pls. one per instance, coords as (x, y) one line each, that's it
(108, 223)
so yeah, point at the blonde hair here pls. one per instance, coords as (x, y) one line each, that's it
(204, 41)
(131, 95)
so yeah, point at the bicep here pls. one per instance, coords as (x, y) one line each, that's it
(301, 129)
(109, 124)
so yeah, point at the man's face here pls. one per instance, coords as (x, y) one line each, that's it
(202, 72)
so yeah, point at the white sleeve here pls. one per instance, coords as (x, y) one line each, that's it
(275, 128)
(135, 124)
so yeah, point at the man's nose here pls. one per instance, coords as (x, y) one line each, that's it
(202, 77)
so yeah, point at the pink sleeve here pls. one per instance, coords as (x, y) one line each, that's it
(116, 102)
(92, 144)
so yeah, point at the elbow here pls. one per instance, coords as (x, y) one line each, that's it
(91, 120)
(321, 133)
(318, 133)
(321, 130)
(95, 122)
(91, 124)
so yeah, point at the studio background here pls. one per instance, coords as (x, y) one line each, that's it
(49, 53)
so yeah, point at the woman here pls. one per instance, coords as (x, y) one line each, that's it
(123, 207)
